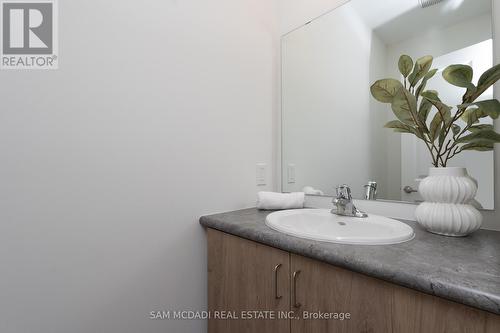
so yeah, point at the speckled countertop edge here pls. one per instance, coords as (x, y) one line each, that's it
(465, 270)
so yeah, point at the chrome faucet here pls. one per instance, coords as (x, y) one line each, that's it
(371, 190)
(344, 204)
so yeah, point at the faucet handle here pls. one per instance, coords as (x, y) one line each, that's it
(344, 192)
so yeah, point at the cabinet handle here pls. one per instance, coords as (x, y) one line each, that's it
(295, 276)
(409, 190)
(276, 269)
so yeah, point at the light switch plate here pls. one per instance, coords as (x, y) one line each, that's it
(291, 173)
(261, 172)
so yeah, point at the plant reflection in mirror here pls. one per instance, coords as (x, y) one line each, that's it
(452, 129)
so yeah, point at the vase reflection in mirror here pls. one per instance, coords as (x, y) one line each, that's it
(448, 208)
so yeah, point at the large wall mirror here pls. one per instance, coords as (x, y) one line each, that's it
(333, 129)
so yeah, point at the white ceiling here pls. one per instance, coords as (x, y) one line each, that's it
(397, 20)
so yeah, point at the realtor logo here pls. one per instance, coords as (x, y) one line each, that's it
(29, 34)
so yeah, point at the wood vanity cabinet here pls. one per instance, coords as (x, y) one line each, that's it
(325, 288)
(245, 275)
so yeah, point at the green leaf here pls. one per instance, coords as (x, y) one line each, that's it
(479, 145)
(396, 124)
(435, 128)
(486, 80)
(446, 114)
(489, 77)
(423, 111)
(405, 65)
(430, 74)
(421, 68)
(443, 110)
(486, 134)
(431, 95)
(400, 127)
(404, 105)
(469, 94)
(459, 75)
(442, 118)
(456, 129)
(403, 130)
(385, 90)
(490, 107)
(472, 116)
(427, 77)
(481, 127)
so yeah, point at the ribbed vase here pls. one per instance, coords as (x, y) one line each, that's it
(447, 210)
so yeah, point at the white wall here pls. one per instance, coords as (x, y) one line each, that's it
(294, 13)
(158, 114)
(441, 41)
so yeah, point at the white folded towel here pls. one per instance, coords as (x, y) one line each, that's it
(273, 200)
(309, 190)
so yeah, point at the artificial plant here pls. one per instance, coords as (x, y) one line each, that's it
(452, 129)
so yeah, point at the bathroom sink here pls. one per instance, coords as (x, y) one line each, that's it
(322, 225)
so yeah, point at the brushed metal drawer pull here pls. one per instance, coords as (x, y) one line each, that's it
(409, 190)
(295, 276)
(276, 269)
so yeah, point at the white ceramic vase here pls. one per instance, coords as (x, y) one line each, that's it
(448, 193)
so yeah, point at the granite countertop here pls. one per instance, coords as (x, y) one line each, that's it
(465, 270)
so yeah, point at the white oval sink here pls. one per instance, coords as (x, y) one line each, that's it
(322, 225)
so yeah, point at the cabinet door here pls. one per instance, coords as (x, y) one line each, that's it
(416, 312)
(243, 276)
(321, 288)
